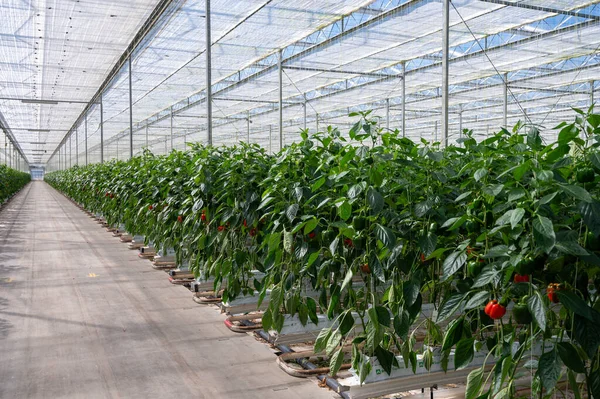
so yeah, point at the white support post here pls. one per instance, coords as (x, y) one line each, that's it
(445, 69)
(403, 98)
(130, 113)
(248, 127)
(270, 139)
(208, 44)
(505, 101)
(304, 111)
(101, 129)
(387, 113)
(146, 136)
(86, 140)
(280, 71)
(77, 146)
(171, 128)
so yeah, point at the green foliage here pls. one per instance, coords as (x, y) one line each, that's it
(395, 241)
(11, 181)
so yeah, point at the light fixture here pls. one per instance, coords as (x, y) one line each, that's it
(50, 102)
(39, 130)
(37, 142)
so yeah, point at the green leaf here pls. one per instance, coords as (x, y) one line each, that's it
(570, 357)
(347, 279)
(464, 353)
(356, 189)
(198, 205)
(316, 185)
(422, 208)
(516, 217)
(474, 383)
(487, 276)
(570, 247)
(520, 170)
(385, 235)
(453, 333)
(515, 194)
(333, 342)
(336, 361)
(345, 210)
(480, 174)
(577, 305)
(291, 212)
(477, 300)
(578, 192)
(567, 134)
(310, 225)
(346, 323)
(322, 339)
(386, 359)
(463, 196)
(428, 243)
(549, 367)
(591, 215)
(587, 334)
(493, 190)
(450, 306)
(595, 383)
(453, 263)
(536, 307)
(375, 200)
(313, 257)
(543, 232)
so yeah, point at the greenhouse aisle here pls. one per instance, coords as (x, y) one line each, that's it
(82, 317)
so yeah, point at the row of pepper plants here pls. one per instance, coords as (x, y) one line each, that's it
(472, 229)
(11, 181)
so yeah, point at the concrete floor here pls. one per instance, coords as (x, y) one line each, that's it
(81, 316)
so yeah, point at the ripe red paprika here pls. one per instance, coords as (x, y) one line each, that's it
(150, 207)
(180, 218)
(552, 290)
(348, 242)
(245, 223)
(312, 235)
(365, 268)
(521, 278)
(221, 228)
(203, 216)
(253, 232)
(495, 310)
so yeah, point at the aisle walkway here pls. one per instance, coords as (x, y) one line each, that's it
(82, 317)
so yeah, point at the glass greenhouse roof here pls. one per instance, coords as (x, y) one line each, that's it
(64, 76)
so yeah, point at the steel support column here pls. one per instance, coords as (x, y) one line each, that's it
(592, 93)
(280, 72)
(146, 136)
(130, 112)
(208, 76)
(270, 139)
(445, 69)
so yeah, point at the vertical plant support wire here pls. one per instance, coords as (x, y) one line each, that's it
(270, 141)
(208, 76)
(403, 98)
(592, 93)
(130, 112)
(101, 130)
(248, 127)
(146, 136)
(280, 72)
(445, 46)
(505, 101)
